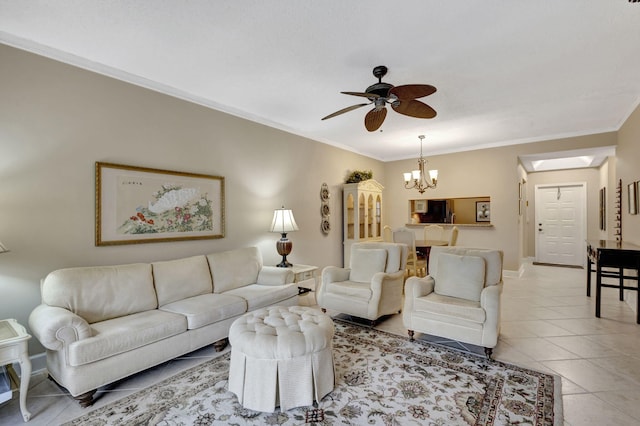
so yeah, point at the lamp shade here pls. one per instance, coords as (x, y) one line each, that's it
(283, 221)
(3, 249)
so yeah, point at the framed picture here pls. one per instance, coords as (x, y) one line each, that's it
(420, 206)
(142, 205)
(632, 192)
(603, 208)
(483, 211)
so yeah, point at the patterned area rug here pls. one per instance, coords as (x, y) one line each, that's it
(381, 379)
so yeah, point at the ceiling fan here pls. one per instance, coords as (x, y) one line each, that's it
(401, 98)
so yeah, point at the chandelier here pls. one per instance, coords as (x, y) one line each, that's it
(418, 178)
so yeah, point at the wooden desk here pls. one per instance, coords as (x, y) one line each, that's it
(611, 258)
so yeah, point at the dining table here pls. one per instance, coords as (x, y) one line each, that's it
(424, 247)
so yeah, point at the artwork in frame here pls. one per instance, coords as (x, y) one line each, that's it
(632, 192)
(144, 205)
(483, 211)
(603, 208)
(420, 206)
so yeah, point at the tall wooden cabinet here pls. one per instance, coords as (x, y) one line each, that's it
(362, 215)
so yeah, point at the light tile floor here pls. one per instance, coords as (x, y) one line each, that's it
(548, 324)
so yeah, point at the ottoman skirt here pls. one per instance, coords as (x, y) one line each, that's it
(289, 365)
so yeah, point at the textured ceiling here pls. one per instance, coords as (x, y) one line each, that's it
(507, 71)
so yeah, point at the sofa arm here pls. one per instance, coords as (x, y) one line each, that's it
(386, 291)
(273, 275)
(490, 302)
(57, 327)
(490, 297)
(330, 274)
(414, 288)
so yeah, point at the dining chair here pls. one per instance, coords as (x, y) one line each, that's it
(415, 263)
(433, 232)
(387, 234)
(453, 236)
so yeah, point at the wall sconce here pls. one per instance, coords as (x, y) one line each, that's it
(282, 223)
(418, 178)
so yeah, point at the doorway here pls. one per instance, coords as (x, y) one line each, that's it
(560, 219)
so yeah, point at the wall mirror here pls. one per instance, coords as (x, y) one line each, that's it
(463, 210)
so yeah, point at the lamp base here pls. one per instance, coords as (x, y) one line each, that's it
(284, 263)
(284, 246)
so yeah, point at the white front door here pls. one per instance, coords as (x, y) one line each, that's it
(561, 223)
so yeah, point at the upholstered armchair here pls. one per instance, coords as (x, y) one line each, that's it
(459, 299)
(372, 285)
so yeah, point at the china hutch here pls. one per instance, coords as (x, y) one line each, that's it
(362, 204)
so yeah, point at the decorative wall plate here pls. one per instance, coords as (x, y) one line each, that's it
(324, 192)
(325, 210)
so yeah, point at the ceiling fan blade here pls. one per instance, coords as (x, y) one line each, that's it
(363, 94)
(412, 91)
(343, 110)
(374, 119)
(413, 108)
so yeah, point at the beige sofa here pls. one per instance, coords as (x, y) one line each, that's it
(101, 324)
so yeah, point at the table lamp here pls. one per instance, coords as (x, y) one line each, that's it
(283, 222)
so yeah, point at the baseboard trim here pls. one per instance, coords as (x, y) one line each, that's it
(559, 265)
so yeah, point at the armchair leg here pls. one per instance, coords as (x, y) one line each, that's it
(220, 344)
(411, 333)
(488, 352)
(86, 399)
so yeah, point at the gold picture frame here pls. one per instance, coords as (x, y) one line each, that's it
(144, 205)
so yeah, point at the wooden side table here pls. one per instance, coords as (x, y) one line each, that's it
(13, 348)
(306, 277)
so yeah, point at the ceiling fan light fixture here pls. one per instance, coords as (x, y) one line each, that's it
(401, 98)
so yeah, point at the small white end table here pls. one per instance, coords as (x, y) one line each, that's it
(13, 348)
(306, 276)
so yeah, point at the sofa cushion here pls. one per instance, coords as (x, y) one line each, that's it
(460, 276)
(492, 257)
(100, 293)
(350, 290)
(260, 296)
(450, 307)
(126, 333)
(234, 268)
(365, 263)
(207, 308)
(181, 278)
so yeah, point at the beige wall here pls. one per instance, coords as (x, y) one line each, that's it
(628, 170)
(56, 121)
(495, 173)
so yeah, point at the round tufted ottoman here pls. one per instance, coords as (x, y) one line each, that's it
(281, 356)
